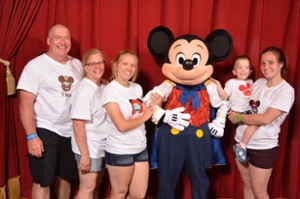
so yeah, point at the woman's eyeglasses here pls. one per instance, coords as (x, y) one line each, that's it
(93, 64)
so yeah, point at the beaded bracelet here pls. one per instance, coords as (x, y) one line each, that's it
(239, 118)
(31, 136)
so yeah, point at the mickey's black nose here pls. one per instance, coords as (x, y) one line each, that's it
(188, 64)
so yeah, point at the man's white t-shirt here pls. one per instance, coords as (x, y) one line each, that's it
(53, 84)
(280, 97)
(132, 141)
(86, 105)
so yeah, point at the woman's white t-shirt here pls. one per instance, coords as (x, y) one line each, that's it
(128, 99)
(280, 97)
(86, 105)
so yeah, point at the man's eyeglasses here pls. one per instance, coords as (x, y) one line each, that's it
(100, 63)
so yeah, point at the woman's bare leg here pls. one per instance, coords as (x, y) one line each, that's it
(259, 181)
(120, 178)
(244, 171)
(87, 185)
(139, 182)
(98, 182)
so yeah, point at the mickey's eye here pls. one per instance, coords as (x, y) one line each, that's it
(196, 59)
(180, 59)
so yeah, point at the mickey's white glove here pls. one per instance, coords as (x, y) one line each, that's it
(216, 128)
(175, 118)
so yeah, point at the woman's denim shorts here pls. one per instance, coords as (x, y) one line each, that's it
(125, 160)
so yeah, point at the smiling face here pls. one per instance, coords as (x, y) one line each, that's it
(242, 68)
(270, 66)
(59, 42)
(126, 67)
(188, 62)
(94, 67)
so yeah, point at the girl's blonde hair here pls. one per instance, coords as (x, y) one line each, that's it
(116, 60)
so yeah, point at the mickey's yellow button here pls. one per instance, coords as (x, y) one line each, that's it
(199, 133)
(174, 131)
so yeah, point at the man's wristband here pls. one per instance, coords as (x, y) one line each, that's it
(31, 136)
(239, 118)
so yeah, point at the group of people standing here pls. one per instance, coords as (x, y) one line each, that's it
(79, 124)
(67, 110)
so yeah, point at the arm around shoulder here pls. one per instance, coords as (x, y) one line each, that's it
(223, 95)
(164, 90)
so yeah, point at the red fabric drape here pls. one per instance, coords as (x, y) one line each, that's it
(16, 18)
(119, 24)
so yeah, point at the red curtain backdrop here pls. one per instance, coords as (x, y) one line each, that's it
(115, 25)
(16, 18)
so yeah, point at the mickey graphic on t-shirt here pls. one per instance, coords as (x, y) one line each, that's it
(137, 107)
(66, 84)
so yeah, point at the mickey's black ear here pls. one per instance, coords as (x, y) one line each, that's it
(220, 42)
(159, 41)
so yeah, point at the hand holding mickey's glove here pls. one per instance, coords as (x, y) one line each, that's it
(216, 127)
(175, 118)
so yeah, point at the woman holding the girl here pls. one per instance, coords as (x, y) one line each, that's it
(275, 97)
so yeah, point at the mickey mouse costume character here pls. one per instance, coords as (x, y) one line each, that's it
(188, 66)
